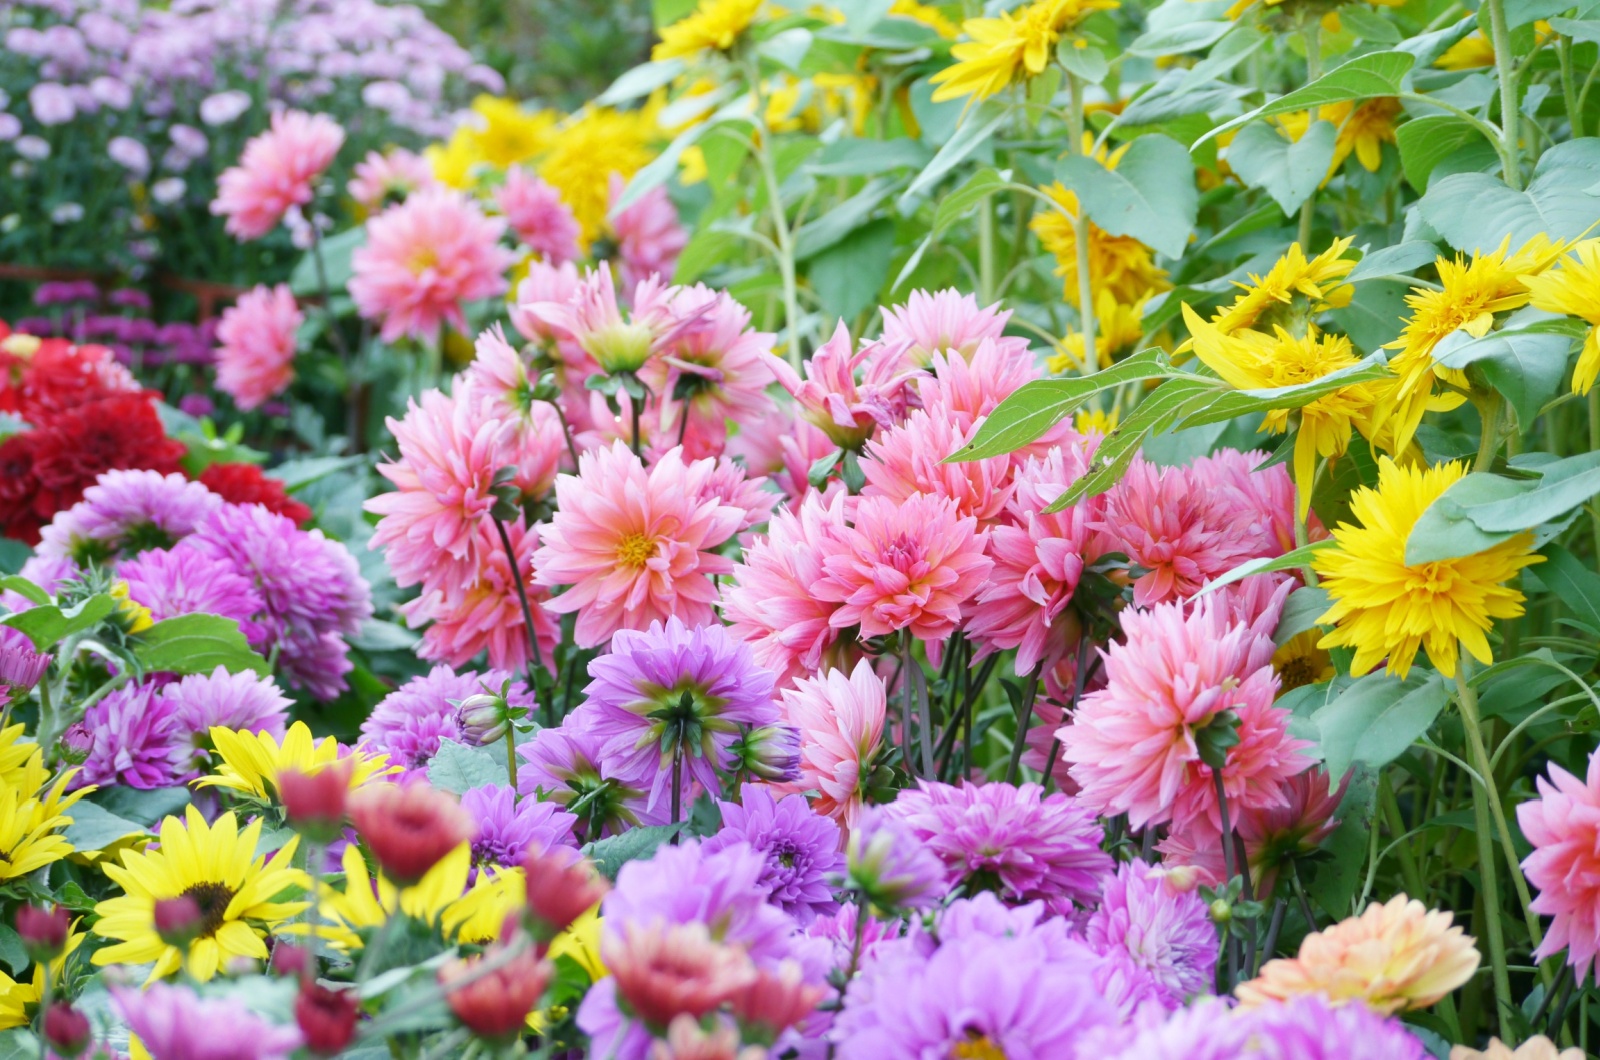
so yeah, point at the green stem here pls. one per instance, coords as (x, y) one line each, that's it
(1311, 32)
(1080, 234)
(511, 761)
(1024, 716)
(780, 221)
(907, 662)
(1569, 90)
(1491, 904)
(1500, 38)
(985, 252)
(1489, 408)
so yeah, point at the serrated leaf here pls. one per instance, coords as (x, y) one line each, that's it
(1376, 719)
(196, 644)
(1150, 196)
(636, 844)
(458, 768)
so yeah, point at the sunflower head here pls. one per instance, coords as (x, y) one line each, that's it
(250, 762)
(713, 26)
(1292, 292)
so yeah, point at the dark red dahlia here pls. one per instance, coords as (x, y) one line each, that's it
(59, 376)
(245, 484)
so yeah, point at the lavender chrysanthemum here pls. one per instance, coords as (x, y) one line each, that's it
(127, 512)
(1166, 931)
(1209, 1030)
(243, 701)
(134, 739)
(672, 691)
(801, 848)
(1011, 838)
(184, 581)
(409, 722)
(890, 865)
(507, 827)
(1308, 1028)
(565, 765)
(21, 666)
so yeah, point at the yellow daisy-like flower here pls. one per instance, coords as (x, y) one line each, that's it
(133, 616)
(1573, 288)
(455, 161)
(251, 761)
(1015, 43)
(591, 146)
(441, 898)
(1301, 661)
(715, 26)
(1119, 265)
(1394, 957)
(931, 17)
(1118, 329)
(1096, 421)
(1382, 607)
(1253, 360)
(506, 133)
(29, 836)
(215, 865)
(1475, 51)
(1292, 292)
(1363, 129)
(581, 942)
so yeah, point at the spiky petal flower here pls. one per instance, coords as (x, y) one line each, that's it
(1017, 43)
(909, 458)
(847, 392)
(186, 581)
(408, 723)
(565, 765)
(1573, 288)
(1166, 930)
(800, 846)
(256, 345)
(277, 170)
(508, 829)
(1563, 824)
(126, 512)
(945, 321)
(175, 1021)
(380, 179)
(593, 318)
(840, 719)
(21, 667)
(243, 701)
(135, 739)
(714, 370)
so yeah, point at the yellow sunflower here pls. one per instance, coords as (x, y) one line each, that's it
(1302, 661)
(1384, 608)
(589, 147)
(32, 807)
(714, 26)
(506, 133)
(1292, 292)
(130, 614)
(251, 761)
(1573, 288)
(1015, 43)
(215, 865)
(1118, 329)
(931, 17)
(1363, 129)
(1120, 265)
(1096, 421)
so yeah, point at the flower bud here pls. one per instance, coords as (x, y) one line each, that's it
(666, 970)
(21, 667)
(178, 921)
(1221, 911)
(483, 718)
(409, 829)
(889, 866)
(496, 1005)
(289, 961)
(561, 887)
(776, 1001)
(66, 1029)
(314, 803)
(327, 1018)
(769, 752)
(43, 931)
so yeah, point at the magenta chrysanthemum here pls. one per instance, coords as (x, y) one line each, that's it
(409, 722)
(507, 828)
(126, 512)
(244, 701)
(801, 848)
(174, 1021)
(1167, 931)
(134, 739)
(565, 765)
(277, 170)
(186, 581)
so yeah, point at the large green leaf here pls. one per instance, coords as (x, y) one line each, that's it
(48, 624)
(1376, 719)
(1425, 142)
(959, 203)
(1150, 195)
(337, 251)
(1525, 366)
(196, 644)
(636, 844)
(1373, 74)
(1474, 211)
(848, 275)
(1397, 260)
(1288, 171)
(851, 157)
(1232, 403)
(816, 236)
(1176, 40)
(1574, 583)
(458, 768)
(95, 828)
(973, 133)
(1481, 510)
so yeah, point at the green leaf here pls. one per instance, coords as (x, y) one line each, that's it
(298, 474)
(1368, 25)
(816, 236)
(1291, 172)
(663, 166)
(1300, 613)
(23, 587)
(1398, 260)
(1474, 211)
(95, 828)
(1336, 877)
(337, 250)
(1373, 74)
(959, 203)
(848, 275)
(458, 768)
(973, 133)
(1088, 62)
(864, 158)
(196, 644)
(1176, 40)
(1525, 366)
(1150, 195)
(1291, 560)
(1425, 142)
(12, 952)
(1037, 406)
(146, 806)
(641, 81)
(636, 844)
(1575, 584)
(1579, 29)
(1232, 403)
(1376, 719)
(706, 249)
(48, 624)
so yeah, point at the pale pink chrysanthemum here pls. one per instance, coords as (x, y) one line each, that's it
(715, 369)
(593, 316)
(450, 450)
(1133, 746)
(546, 283)
(1038, 561)
(841, 722)
(255, 345)
(945, 321)
(387, 177)
(909, 458)
(1256, 503)
(499, 375)
(276, 171)
(907, 564)
(846, 392)
(769, 601)
(1563, 824)
(783, 447)
(423, 258)
(537, 215)
(635, 546)
(485, 614)
(649, 237)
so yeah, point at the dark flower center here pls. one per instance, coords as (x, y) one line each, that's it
(213, 899)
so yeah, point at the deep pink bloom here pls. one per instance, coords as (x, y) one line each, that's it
(907, 564)
(537, 215)
(1563, 824)
(946, 321)
(276, 171)
(384, 178)
(849, 393)
(840, 720)
(1163, 926)
(649, 237)
(423, 258)
(785, 448)
(715, 369)
(175, 1021)
(967, 388)
(634, 545)
(255, 345)
(909, 458)
(1256, 503)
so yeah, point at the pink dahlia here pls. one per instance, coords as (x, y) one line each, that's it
(537, 215)
(382, 179)
(1024, 844)
(1563, 824)
(593, 316)
(849, 393)
(907, 564)
(635, 546)
(649, 237)
(946, 321)
(276, 171)
(1133, 746)
(969, 388)
(841, 734)
(450, 451)
(1255, 502)
(255, 345)
(500, 375)
(423, 258)
(715, 369)
(733, 486)
(909, 458)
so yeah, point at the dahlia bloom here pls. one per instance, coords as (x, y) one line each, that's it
(1394, 957)
(909, 458)
(500, 375)
(244, 701)
(21, 668)
(1164, 928)
(171, 1020)
(423, 258)
(846, 408)
(1133, 745)
(966, 388)
(185, 581)
(889, 866)
(714, 370)
(1313, 1028)
(539, 218)
(593, 318)
(409, 722)
(126, 512)
(648, 235)
(565, 766)
(634, 545)
(1031, 846)
(245, 484)
(1536, 1048)
(841, 721)
(1563, 824)
(508, 829)
(276, 171)
(256, 345)
(555, 284)
(907, 565)
(666, 971)
(946, 321)
(800, 846)
(134, 739)
(732, 485)
(381, 179)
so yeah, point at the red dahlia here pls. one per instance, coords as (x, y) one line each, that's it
(245, 484)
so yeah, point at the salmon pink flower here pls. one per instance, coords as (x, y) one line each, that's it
(409, 829)
(663, 971)
(849, 393)
(946, 321)
(909, 458)
(380, 180)
(276, 171)
(256, 340)
(841, 721)
(1563, 824)
(495, 1004)
(715, 369)
(593, 317)
(649, 237)
(537, 215)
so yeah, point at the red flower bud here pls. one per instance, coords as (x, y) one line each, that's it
(496, 1004)
(776, 1001)
(409, 829)
(66, 1029)
(314, 804)
(289, 960)
(561, 886)
(43, 931)
(327, 1018)
(179, 920)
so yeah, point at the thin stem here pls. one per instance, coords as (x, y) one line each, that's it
(926, 711)
(780, 221)
(1311, 32)
(1491, 900)
(535, 657)
(327, 291)
(635, 407)
(566, 432)
(511, 761)
(1024, 717)
(677, 779)
(1227, 862)
(1488, 445)
(905, 703)
(985, 251)
(1080, 233)
(1569, 89)
(1594, 446)
(1500, 38)
(1279, 909)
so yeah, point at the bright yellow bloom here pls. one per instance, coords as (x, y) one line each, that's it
(441, 898)
(1395, 957)
(581, 942)
(1573, 288)
(1382, 607)
(1095, 421)
(1120, 265)
(1253, 360)
(455, 161)
(1536, 1048)
(505, 133)
(1475, 51)
(1302, 661)
(133, 616)
(1292, 292)
(251, 761)
(216, 865)
(1118, 328)
(1016, 43)
(17, 998)
(715, 25)
(931, 17)
(29, 836)
(590, 146)
(1363, 129)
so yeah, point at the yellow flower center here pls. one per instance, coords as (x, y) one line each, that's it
(635, 550)
(982, 1048)
(423, 259)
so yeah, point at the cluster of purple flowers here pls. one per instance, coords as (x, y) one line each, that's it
(131, 334)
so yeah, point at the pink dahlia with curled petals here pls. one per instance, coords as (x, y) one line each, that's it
(1257, 502)
(450, 450)
(1133, 746)
(907, 564)
(1014, 839)
(423, 258)
(846, 392)
(537, 215)
(276, 171)
(592, 315)
(1563, 824)
(840, 719)
(635, 546)
(500, 375)
(909, 458)
(946, 321)
(714, 370)
(384, 178)
(649, 237)
(255, 345)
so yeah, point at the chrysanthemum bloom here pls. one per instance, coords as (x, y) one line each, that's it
(634, 545)
(663, 971)
(1134, 745)
(831, 396)
(1119, 264)
(1038, 561)
(946, 321)
(648, 235)
(555, 284)
(276, 171)
(382, 179)
(888, 865)
(256, 345)
(495, 1004)
(592, 316)
(244, 701)
(801, 848)
(714, 25)
(423, 259)
(965, 389)
(135, 739)
(1536, 1048)
(1255, 503)
(409, 829)
(586, 149)
(185, 581)
(1573, 288)
(245, 484)
(1313, 1028)
(126, 512)
(1166, 929)
(537, 215)
(564, 765)
(1016, 43)
(171, 1020)
(1563, 824)
(216, 866)
(715, 370)
(840, 720)
(669, 700)
(1252, 360)
(1027, 845)
(1290, 293)
(1394, 957)
(1383, 607)
(909, 458)
(507, 829)
(409, 722)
